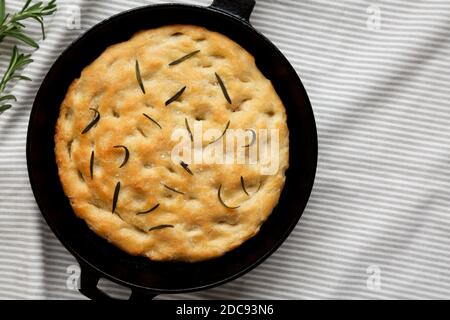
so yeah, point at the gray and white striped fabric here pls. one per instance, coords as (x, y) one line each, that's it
(378, 221)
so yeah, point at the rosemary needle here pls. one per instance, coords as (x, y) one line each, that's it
(91, 164)
(152, 120)
(183, 58)
(186, 167)
(127, 155)
(223, 133)
(93, 122)
(222, 202)
(224, 89)
(176, 96)
(149, 210)
(161, 226)
(115, 197)
(139, 77)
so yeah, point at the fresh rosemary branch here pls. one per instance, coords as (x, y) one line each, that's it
(11, 26)
(18, 60)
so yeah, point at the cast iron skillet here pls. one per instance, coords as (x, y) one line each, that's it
(96, 256)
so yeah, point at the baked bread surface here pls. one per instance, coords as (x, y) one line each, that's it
(192, 224)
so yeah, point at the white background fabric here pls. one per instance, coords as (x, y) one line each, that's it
(378, 221)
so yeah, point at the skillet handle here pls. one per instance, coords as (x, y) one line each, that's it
(240, 8)
(88, 287)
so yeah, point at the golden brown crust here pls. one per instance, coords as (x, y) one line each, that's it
(203, 227)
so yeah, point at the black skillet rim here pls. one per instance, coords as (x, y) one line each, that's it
(133, 286)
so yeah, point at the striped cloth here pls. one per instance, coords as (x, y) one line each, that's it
(377, 225)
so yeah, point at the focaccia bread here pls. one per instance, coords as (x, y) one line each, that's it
(114, 144)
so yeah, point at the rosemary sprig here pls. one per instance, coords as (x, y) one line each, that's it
(253, 138)
(176, 96)
(161, 226)
(172, 189)
(11, 25)
(221, 201)
(126, 157)
(149, 210)
(189, 129)
(91, 164)
(18, 61)
(115, 197)
(184, 58)
(223, 133)
(152, 120)
(139, 77)
(93, 122)
(224, 89)
(186, 167)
